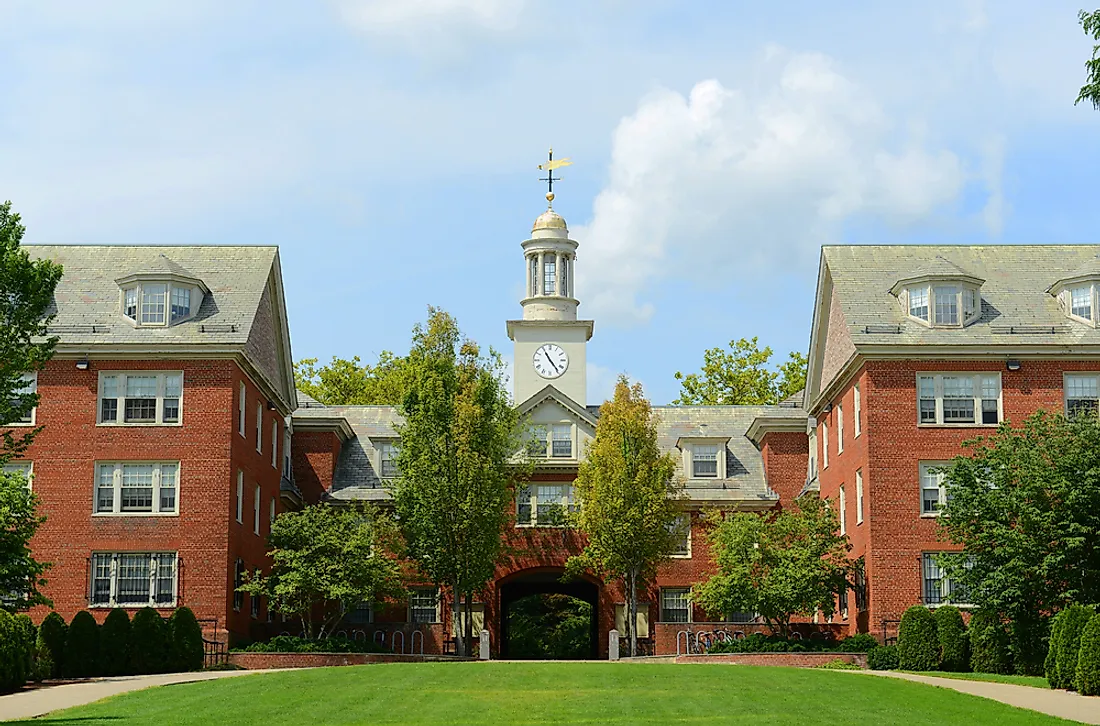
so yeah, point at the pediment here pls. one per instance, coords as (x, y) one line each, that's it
(550, 400)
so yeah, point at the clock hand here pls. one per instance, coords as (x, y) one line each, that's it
(550, 361)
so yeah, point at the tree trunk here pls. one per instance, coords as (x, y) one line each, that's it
(632, 614)
(468, 625)
(456, 603)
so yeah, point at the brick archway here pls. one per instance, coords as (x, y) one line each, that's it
(546, 580)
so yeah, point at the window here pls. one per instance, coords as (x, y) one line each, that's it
(259, 427)
(843, 503)
(153, 303)
(238, 580)
(137, 488)
(254, 600)
(564, 275)
(861, 589)
(947, 305)
(857, 413)
(387, 453)
(272, 513)
(159, 303)
(424, 605)
(537, 443)
(918, 302)
(549, 286)
(544, 505)
(859, 496)
(562, 442)
(933, 493)
(240, 410)
(1081, 302)
(681, 527)
(256, 511)
(240, 497)
(842, 603)
(145, 398)
(675, 605)
(23, 468)
(704, 461)
(839, 429)
(133, 579)
(275, 444)
(824, 446)
(18, 398)
(129, 303)
(361, 614)
(641, 620)
(286, 451)
(811, 464)
(477, 619)
(959, 398)
(1082, 393)
(534, 275)
(181, 303)
(938, 587)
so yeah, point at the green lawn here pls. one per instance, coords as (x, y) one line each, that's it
(1037, 681)
(547, 693)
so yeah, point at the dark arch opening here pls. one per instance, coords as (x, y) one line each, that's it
(544, 583)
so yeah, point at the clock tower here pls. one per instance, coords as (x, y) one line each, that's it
(549, 342)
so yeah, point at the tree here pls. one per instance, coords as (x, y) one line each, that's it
(790, 563)
(20, 573)
(325, 561)
(630, 501)
(1090, 23)
(453, 492)
(348, 382)
(989, 650)
(1065, 641)
(918, 641)
(1025, 504)
(740, 376)
(954, 646)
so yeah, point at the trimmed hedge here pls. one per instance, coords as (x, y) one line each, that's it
(1065, 640)
(148, 643)
(989, 644)
(294, 644)
(13, 654)
(883, 658)
(918, 642)
(185, 641)
(82, 647)
(51, 643)
(760, 643)
(1088, 659)
(114, 644)
(28, 634)
(954, 643)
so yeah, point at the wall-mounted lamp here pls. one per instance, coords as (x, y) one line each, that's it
(270, 405)
(827, 408)
(1012, 365)
(82, 364)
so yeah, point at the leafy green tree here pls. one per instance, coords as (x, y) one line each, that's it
(349, 382)
(790, 563)
(918, 641)
(114, 644)
(1087, 677)
(21, 575)
(1025, 504)
(82, 647)
(1065, 642)
(453, 493)
(629, 499)
(1090, 23)
(741, 376)
(52, 634)
(989, 648)
(954, 646)
(549, 627)
(325, 561)
(185, 641)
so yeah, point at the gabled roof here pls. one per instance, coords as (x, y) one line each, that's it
(355, 477)
(549, 393)
(160, 266)
(939, 268)
(1090, 269)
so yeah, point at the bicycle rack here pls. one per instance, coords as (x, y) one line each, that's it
(412, 643)
(393, 641)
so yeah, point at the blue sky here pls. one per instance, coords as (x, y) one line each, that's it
(389, 148)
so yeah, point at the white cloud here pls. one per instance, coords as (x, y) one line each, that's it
(746, 180)
(600, 382)
(428, 23)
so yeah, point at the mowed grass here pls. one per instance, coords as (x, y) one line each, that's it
(547, 693)
(1035, 681)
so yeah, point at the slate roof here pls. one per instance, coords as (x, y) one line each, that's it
(355, 478)
(1017, 310)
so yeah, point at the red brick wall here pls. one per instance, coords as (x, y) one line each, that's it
(797, 660)
(313, 458)
(265, 661)
(785, 456)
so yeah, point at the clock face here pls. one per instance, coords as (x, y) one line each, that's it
(550, 361)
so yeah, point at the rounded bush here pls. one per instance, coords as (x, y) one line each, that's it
(918, 643)
(1065, 640)
(883, 658)
(989, 644)
(954, 644)
(858, 643)
(114, 644)
(82, 647)
(148, 642)
(29, 634)
(185, 636)
(51, 643)
(12, 675)
(1087, 677)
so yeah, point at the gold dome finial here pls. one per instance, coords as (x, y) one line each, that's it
(549, 198)
(549, 167)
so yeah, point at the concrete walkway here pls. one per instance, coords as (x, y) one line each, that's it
(40, 701)
(1063, 704)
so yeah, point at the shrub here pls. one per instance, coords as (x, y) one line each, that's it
(148, 642)
(1065, 640)
(294, 644)
(82, 647)
(954, 644)
(51, 642)
(918, 643)
(760, 643)
(28, 634)
(838, 664)
(1088, 659)
(1028, 638)
(185, 641)
(43, 667)
(858, 643)
(989, 650)
(114, 644)
(12, 672)
(883, 658)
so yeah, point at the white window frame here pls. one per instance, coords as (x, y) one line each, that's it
(947, 588)
(120, 397)
(859, 497)
(683, 520)
(926, 477)
(257, 496)
(30, 385)
(690, 449)
(686, 593)
(118, 469)
(384, 447)
(562, 432)
(273, 513)
(170, 288)
(274, 443)
(287, 461)
(839, 429)
(842, 503)
(1070, 307)
(240, 497)
(1071, 375)
(155, 562)
(857, 412)
(811, 464)
(21, 466)
(977, 392)
(964, 294)
(423, 592)
(259, 427)
(528, 496)
(241, 408)
(824, 445)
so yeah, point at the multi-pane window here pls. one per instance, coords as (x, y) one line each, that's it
(1081, 302)
(681, 527)
(387, 454)
(29, 387)
(157, 303)
(240, 409)
(1082, 393)
(424, 605)
(238, 581)
(140, 398)
(811, 464)
(562, 441)
(534, 275)
(933, 492)
(843, 504)
(129, 305)
(544, 504)
(271, 514)
(23, 468)
(704, 461)
(675, 605)
(824, 446)
(181, 303)
(840, 429)
(537, 443)
(139, 579)
(240, 496)
(859, 496)
(959, 398)
(256, 510)
(857, 413)
(275, 444)
(137, 488)
(947, 305)
(259, 427)
(842, 603)
(861, 589)
(938, 587)
(564, 275)
(153, 303)
(548, 275)
(918, 302)
(361, 614)
(286, 451)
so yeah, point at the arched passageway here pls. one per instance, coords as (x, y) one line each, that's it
(523, 586)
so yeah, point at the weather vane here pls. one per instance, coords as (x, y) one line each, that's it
(549, 167)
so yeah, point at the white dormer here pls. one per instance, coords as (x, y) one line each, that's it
(704, 457)
(1076, 294)
(161, 293)
(940, 296)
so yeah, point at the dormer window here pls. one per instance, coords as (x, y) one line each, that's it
(152, 303)
(1081, 302)
(129, 306)
(941, 296)
(704, 457)
(181, 303)
(161, 294)
(918, 303)
(1078, 300)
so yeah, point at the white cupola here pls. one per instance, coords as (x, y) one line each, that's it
(549, 256)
